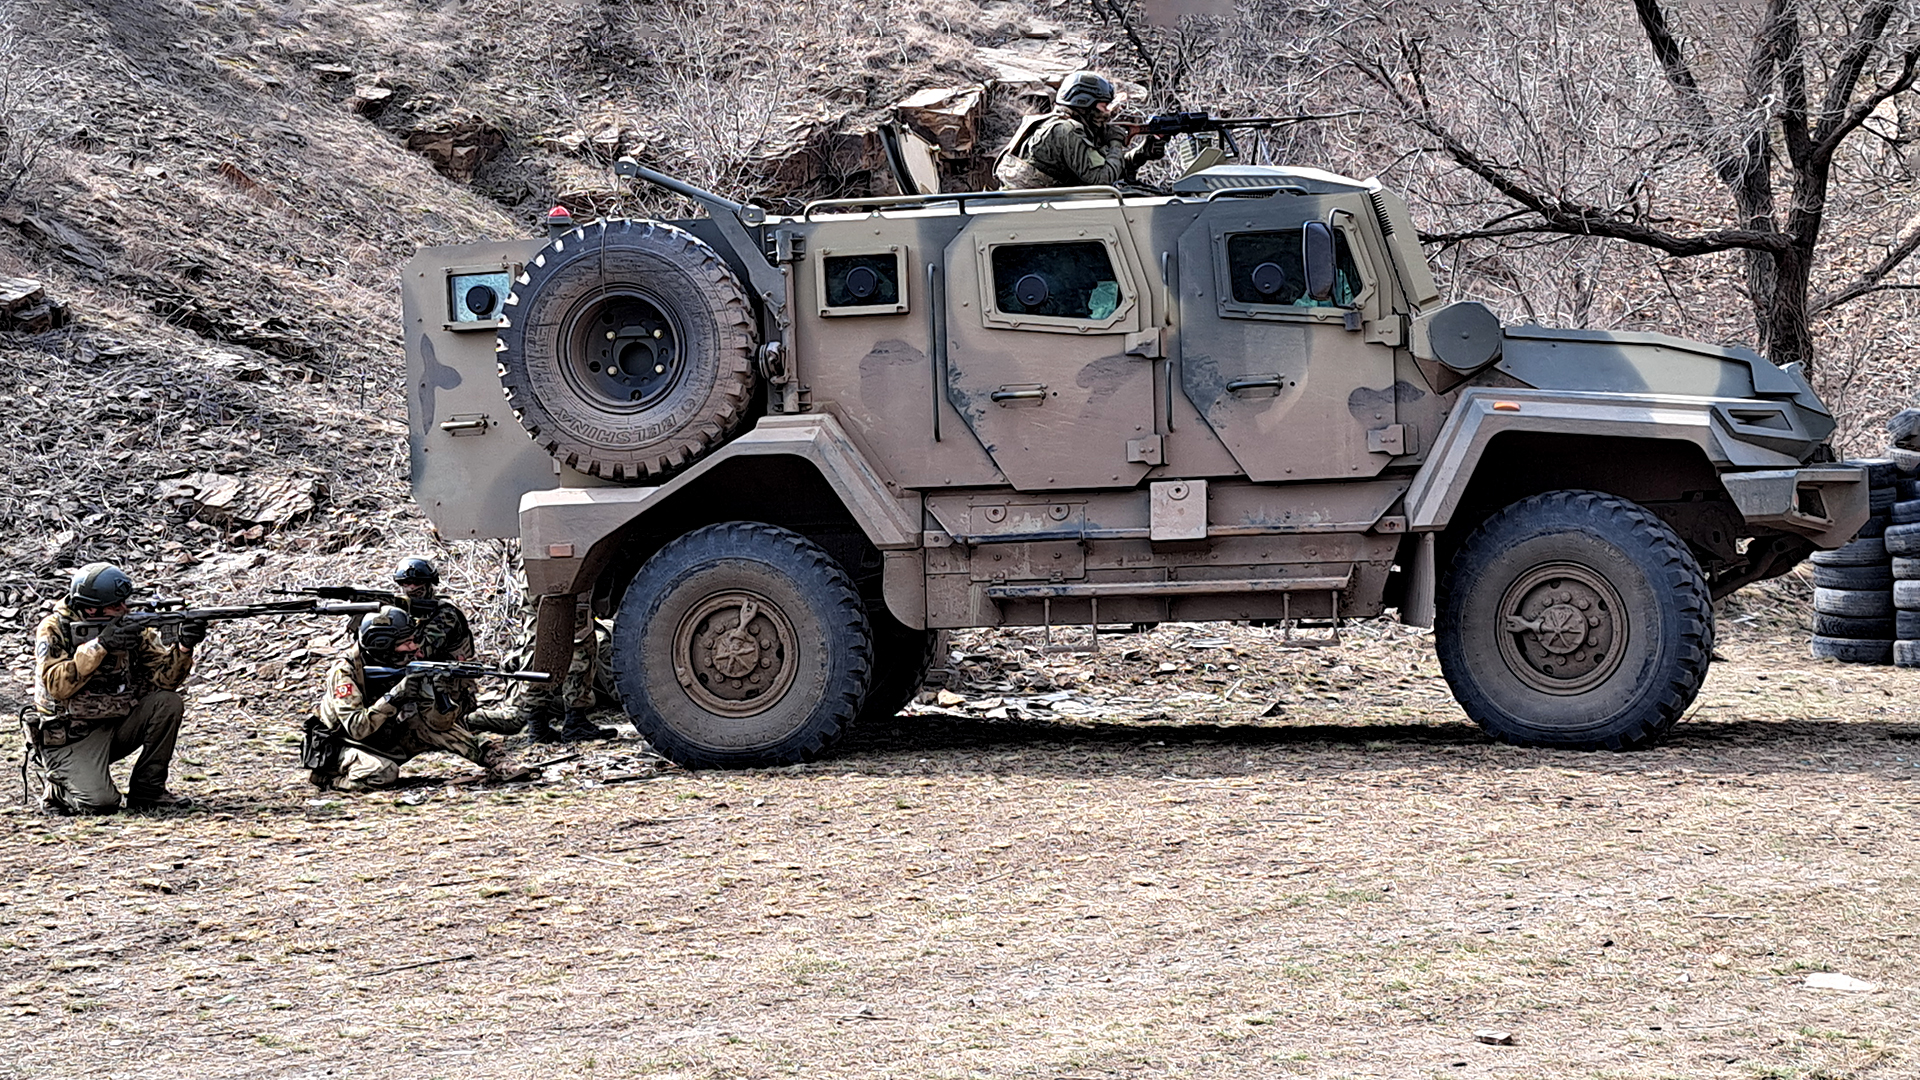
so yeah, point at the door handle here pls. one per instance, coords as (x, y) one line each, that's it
(462, 425)
(1024, 393)
(1256, 382)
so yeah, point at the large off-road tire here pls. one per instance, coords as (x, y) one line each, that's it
(1853, 577)
(707, 695)
(1575, 619)
(1851, 650)
(902, 656)
(1867, 551)
(627, 349)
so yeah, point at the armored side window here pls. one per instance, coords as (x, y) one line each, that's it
(862, 283)
(1070, 280)
(476, 297)
(1266, 268)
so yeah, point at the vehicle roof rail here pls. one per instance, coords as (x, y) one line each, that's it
(961, 198)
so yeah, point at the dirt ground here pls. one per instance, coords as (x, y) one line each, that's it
(1203, 856)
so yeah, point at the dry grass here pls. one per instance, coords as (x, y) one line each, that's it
(1351, 889)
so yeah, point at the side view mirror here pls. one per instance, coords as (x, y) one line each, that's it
(1316, 254)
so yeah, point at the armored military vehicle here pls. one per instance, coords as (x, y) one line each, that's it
(783, 451)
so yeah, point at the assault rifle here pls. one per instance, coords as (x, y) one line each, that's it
(1193, 123)
(454, 669)
(174, 612)
(347, 592)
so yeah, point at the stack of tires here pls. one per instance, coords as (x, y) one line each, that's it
(1903, 537)
(1853, 589)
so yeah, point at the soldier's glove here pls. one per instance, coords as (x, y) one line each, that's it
(120, 635)
(191, 633)
(1153, 149)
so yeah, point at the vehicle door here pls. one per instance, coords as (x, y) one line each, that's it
(1046, 357)
(1296, 389)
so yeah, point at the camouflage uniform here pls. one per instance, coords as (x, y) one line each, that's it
(95, 706)
(1060, 149)
(588, 684)
(442, 631)
(380, 736)
(441, 628)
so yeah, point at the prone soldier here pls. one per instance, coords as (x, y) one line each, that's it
(99, 700)
(369, 726)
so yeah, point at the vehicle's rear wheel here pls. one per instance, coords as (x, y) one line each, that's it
(1575, 619)
(627, 349)
(742, 644)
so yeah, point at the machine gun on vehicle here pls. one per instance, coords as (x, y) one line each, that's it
(1222, 127)
(173, 612)
(436, 670)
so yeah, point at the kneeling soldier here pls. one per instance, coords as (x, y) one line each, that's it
(369, 727)
(99, 700)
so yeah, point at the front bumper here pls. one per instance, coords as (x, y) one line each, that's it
(1825, 503)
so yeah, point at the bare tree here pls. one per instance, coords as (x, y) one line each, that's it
(1586, 153)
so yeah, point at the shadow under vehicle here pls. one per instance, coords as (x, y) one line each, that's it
(783, 451)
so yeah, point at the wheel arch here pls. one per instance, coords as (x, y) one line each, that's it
(1667, 454)
(800, 473)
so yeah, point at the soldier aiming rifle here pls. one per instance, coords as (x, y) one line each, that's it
(106, 684)
(382, 708)
(440, 626)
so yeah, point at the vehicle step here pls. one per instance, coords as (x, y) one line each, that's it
(1221, 587)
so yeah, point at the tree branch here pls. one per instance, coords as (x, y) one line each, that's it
(1862, 110)
(1693, 103)
(1873, 280)
(1562, 216)
(1846, 73)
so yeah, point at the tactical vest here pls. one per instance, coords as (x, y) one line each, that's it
(1015, 171)
(110, 693)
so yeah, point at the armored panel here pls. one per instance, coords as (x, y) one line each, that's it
(1291, 386)
(471, 461)
(1039, 314)
(875, 359)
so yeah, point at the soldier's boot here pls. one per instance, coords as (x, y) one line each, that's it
(578, 729)
(540, 729)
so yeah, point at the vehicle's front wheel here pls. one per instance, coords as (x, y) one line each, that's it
(742, 644)
(1575, 619)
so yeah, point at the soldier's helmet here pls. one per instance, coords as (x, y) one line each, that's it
(382, 632)
(416, 571)
(98, 585)
(1083, 90)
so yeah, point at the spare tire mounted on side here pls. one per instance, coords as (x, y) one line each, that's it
(627, 349)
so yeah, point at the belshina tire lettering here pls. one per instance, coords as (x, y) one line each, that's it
(596, 411)
(1543, 685)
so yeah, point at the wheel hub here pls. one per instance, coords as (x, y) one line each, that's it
(623, 350)
(1563, 628)
(734, 653)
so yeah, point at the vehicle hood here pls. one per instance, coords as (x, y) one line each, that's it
(1624, 362)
